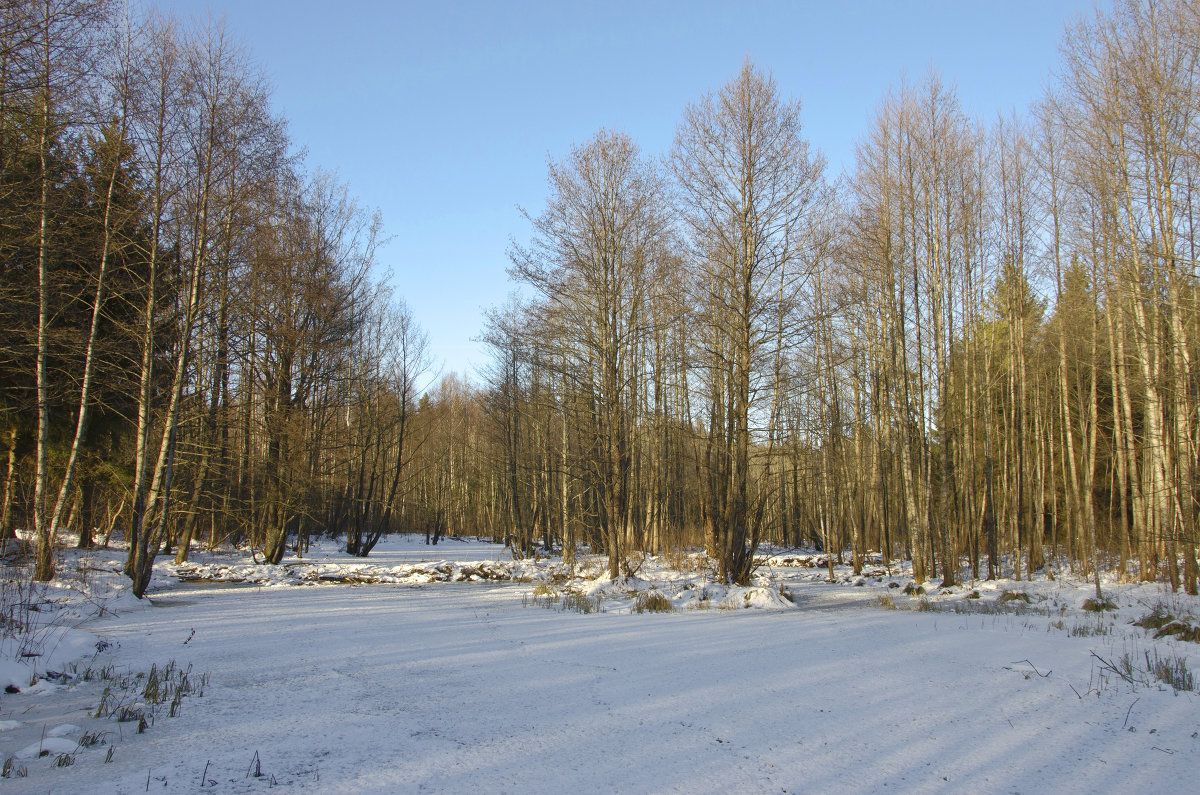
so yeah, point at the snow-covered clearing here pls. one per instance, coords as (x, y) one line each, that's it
(474, 686)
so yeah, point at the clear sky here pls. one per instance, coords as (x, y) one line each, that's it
(442, 114)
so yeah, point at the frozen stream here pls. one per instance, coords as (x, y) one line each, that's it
(457, 687)
(453, 687)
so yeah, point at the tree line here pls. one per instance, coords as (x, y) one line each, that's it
(972, 350)
(975, 350)
(192, 344)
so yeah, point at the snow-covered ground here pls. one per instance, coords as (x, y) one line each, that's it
(457, 670)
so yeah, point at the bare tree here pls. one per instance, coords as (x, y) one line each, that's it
(594, 259)
(749, 188)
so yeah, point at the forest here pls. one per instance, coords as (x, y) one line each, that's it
(978, 349)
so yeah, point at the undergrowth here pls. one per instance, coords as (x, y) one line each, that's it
(652, 602)
(685, 562)
(1166, 622)
(1147, 669)
(142, 697)
(29, 624)
(577, 602)
(34, 618)
(567, 601)
(1016, 603)
(12, 769)
(1013, 596)
(1081, 629)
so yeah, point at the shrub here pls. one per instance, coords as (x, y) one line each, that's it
(1098, 605)
(1013, 596)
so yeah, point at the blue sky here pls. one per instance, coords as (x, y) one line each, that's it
(442, 114)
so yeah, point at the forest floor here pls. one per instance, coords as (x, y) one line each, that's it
(453, 668)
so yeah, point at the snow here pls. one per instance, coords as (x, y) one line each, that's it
(452, 684)
(50, 746)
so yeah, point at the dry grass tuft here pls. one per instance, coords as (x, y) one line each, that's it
(652, 602)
